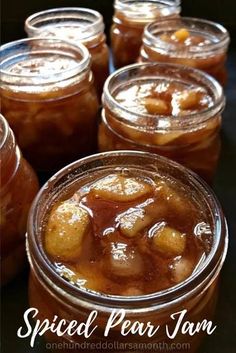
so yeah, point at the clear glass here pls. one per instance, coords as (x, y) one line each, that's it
(210, 57)
(15, 175)
(192, 140)
(53, 295)
(79, 25)
(129, 20)
(49, 100)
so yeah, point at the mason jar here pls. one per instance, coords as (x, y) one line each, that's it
(129, 20)
(51, 294)
(189, 41)
(191, 139)
(19, 186)
(49, 100)
(79, 25)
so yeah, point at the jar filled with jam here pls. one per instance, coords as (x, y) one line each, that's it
(167, 109)
(129, 20)
(19, 186)
(125, 230)
(49, 100)
(79, 25)
(188, 41)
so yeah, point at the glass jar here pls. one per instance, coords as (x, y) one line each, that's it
(209, 55)
(79, 25)
(192, 140)
(129, 20)
(53, 295)
(49, 100)
(19, 186)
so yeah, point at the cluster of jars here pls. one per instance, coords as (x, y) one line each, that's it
(59, 104)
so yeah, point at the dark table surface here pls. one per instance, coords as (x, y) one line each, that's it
(14, 296)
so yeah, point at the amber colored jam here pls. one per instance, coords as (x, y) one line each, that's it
(54, 123)
(16, 175)
(128, 26)
(185, 47)
(42, 65)
(197, 147)
(183, 37)
(124, 234)
(162, 98)
(108, 233)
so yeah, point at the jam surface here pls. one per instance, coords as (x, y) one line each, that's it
(66, 31)
(123, 234)
(42, 65)
(186, 38)
(163, 98)
(141, 13)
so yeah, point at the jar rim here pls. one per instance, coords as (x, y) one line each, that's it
(4, 128)
(139, 16)
(124, 5)
(10, 154)
(163, 122)
(14, 50)
(212, 263)
(190, 23)
(64, 13)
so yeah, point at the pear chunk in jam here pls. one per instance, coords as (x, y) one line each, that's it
(125, 261)
(133, 221)
(169, 241)
(156, 106)
(126, 234)
(182, 269)
(181, 35)
(66, 228)
(188, 99)
(120, 188)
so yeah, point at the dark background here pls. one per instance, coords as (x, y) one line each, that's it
(14, 12)
(14, 296)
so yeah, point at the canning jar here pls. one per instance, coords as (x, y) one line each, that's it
(19, 186)
(51, 294)
(129, 20)
(152, 107)
(49, 100)
(79, 25)
(188, 41)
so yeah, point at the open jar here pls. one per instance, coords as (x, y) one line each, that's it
(129, 20)
(49, 100)
(53, 291)
(79, 25)
(19, 186)
(188, 41)
(167, 109)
